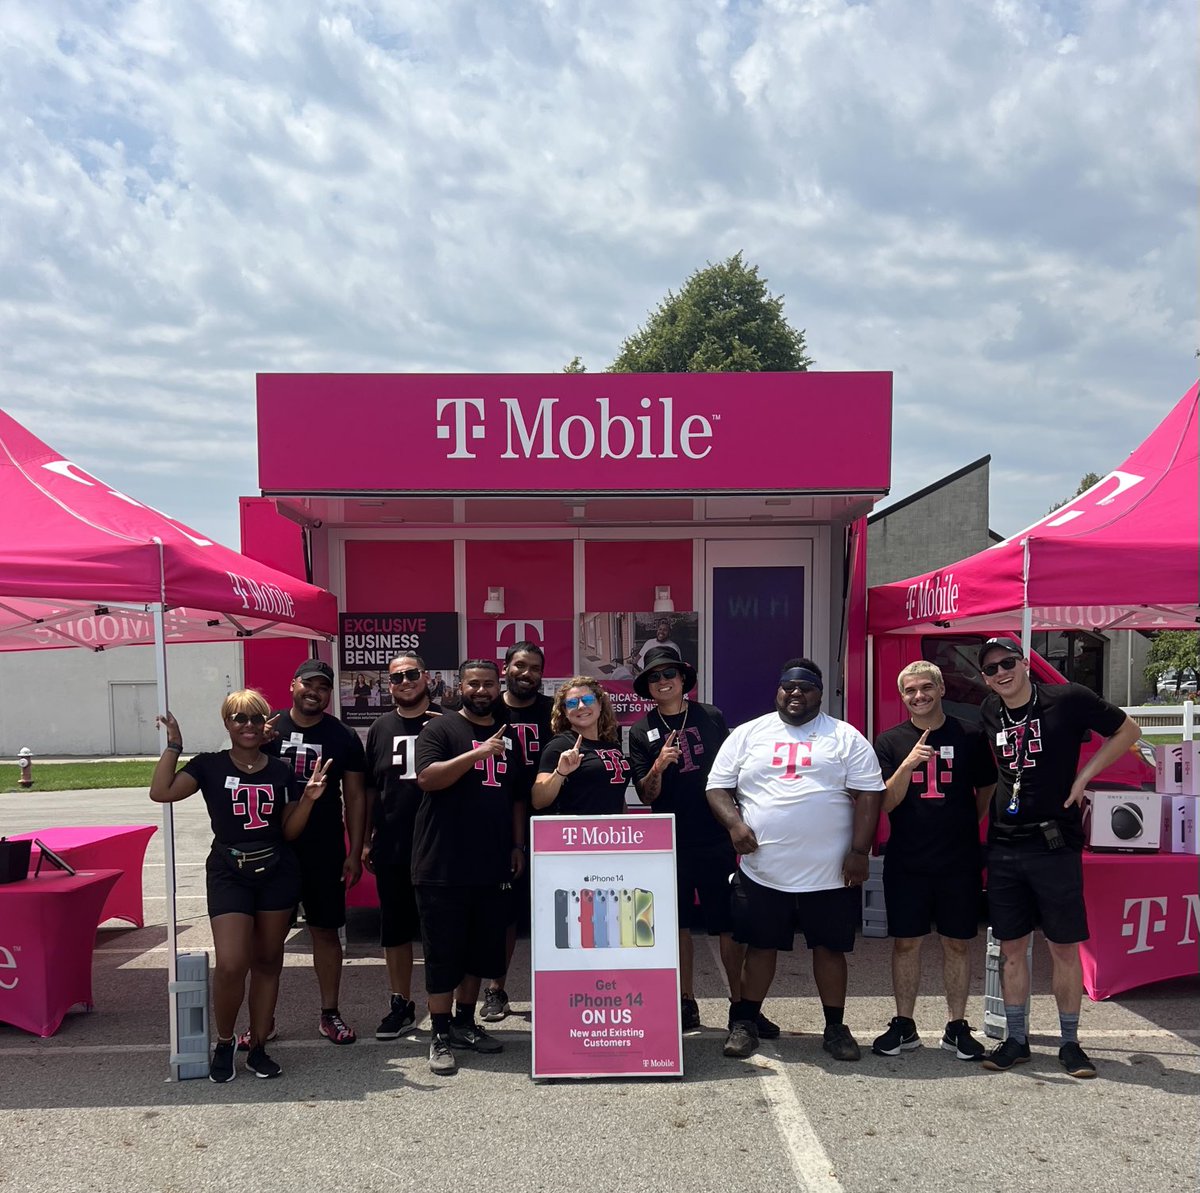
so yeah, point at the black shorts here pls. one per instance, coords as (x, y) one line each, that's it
(704, 871)
(398, 920)
(916, 899)
(765, 918)
(322, 891)
(463, 931)
(1036, 887)
(246, 890)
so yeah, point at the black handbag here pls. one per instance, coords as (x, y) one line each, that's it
(14, 860)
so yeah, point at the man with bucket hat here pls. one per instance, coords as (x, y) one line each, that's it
(671, 751)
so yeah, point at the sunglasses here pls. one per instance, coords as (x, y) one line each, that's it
(1006, 664)
(791, 688)
(249, 718)
(663, 673)
(573, 702)
(409, 676)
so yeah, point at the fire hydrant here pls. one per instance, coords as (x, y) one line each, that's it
(25, 762)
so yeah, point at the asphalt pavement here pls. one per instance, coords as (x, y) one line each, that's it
(92, 1107)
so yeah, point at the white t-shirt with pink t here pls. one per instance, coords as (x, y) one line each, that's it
(791, 783)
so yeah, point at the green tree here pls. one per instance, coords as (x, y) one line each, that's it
(1086, 482)
(575, 365)
(1174, 650)
(723, 320)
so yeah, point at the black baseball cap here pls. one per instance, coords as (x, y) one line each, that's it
(314, 668)
(1005, 644)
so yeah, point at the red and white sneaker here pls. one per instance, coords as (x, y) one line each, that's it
(335, 1029)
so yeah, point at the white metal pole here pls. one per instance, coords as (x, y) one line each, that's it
(1026, 611)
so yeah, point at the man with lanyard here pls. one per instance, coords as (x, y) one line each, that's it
(671, 751)
(939, 775)
(305, 736)
(1035, 838)
(463, 855)
(799, 794)
(392, 800)
(528, 713)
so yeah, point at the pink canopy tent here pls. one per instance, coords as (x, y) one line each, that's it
(1123, 555)
(82, 564)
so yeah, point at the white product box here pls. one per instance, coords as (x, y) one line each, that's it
(1128, 821)
(1177, 832)
(1190, 771)
(1168, 769)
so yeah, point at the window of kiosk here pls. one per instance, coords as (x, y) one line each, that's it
(1076, 654)
(958, 659)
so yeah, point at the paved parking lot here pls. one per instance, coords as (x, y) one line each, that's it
(92, 1109)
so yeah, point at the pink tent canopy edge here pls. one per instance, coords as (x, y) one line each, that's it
(1123, 555)
(82, 563)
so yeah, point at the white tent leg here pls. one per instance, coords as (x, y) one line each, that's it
(160, 668)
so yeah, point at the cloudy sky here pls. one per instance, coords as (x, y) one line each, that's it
(995, 201)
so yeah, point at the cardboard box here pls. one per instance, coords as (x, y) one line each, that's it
(1125, 821)
(1177, 830)
(1168, 769)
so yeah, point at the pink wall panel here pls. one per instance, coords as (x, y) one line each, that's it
(537, 577)
(621, 577)
(383, 577)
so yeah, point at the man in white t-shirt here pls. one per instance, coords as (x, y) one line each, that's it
(799, 793)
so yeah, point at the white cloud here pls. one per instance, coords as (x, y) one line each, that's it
(996, 201)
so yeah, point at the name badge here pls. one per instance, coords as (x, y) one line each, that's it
(653, 735)
(947, 752)
(231, 783)
(1001, 738)
(297, 739)
(508, 743)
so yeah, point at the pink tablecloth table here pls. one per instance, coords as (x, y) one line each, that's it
(1144, 918)
(103, 847)
(47, 932)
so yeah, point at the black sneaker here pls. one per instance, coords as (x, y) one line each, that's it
(495, 1006)
(901, 1036)
(472, 1036)
(441, 1056)
(766, 1029)
(221, 1068)
(260, 1064)
(402, 1014)
(1006, 1054)
(1076, 1061)
(690, 1014)
(742, 1039)
(244, 1038)
(957, 1038)
(839, 1043)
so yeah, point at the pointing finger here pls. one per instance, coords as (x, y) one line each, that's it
(924, 735)
(578, 742)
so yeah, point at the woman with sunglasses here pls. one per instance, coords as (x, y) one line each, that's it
(583, 771)
(253, 878)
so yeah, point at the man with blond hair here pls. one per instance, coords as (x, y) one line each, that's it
(939, 775)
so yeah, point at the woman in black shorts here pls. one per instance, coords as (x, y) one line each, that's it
(253, 878)
(583, 771)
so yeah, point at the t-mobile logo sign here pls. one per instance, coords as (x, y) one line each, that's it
(492, 766)
(796, 755)
(595, 433)
(254, 802)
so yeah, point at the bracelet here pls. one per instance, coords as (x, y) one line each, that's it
(176, 746)
(560, 774)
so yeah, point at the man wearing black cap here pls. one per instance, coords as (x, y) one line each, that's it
(1035, 838)
(305, 736)
(799, 793)
(671, 751)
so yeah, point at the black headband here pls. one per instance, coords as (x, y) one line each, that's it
(802, 675)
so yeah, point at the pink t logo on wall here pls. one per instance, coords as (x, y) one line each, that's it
(490, 638)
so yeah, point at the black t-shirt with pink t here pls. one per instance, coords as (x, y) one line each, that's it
(463, 833)
(245, 811)
(596, 787)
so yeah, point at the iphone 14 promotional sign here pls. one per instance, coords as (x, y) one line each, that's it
(603, 918)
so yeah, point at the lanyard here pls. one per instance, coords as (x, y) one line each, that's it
(1022, 730)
